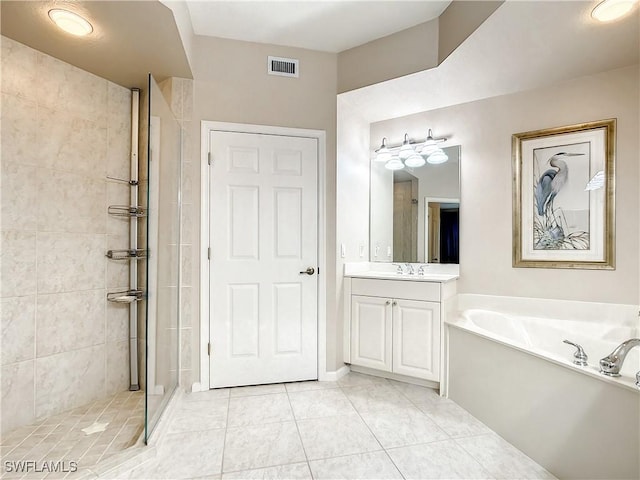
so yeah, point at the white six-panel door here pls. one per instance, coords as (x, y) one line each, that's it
(263, 234)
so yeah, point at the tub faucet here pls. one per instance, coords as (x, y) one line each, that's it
(612, 363)
(579, 358)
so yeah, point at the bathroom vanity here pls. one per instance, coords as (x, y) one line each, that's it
(393, 321)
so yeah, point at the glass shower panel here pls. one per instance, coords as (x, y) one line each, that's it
(163, 241)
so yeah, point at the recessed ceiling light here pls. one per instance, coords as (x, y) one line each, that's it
(70, 22)
(610, 10)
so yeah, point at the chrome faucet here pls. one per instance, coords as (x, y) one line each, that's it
(580, 357)
(612, 363)
(410, 270)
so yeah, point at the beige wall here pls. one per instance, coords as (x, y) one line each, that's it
(402, 53)
(231, 85)
(483, 129)
(414, 49)
(63, 131)
(459, 20)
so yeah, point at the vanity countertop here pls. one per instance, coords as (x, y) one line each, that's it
(433, 272)
(429, 277)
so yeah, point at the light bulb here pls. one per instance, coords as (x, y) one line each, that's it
(394, 164)
(437, 157)
(70, 22)
(414, 161)
(610, 10)
(429, 148)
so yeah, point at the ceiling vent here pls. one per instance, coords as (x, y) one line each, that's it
(285, 67)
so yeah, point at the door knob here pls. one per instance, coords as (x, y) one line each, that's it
(309, 271)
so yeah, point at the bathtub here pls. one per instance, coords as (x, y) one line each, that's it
(506, 364)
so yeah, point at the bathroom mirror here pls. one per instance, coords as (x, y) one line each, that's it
(414, 212)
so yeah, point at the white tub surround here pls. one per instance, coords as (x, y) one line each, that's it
(507, 366)
(394, 321)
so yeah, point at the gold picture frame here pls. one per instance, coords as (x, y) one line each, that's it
(564, 196)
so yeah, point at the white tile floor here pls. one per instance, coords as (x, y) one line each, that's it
(360, 427)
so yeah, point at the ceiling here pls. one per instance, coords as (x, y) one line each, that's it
(130, 39)
(522, 46)
(330, 26)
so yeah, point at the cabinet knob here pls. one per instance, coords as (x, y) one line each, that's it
(395, 303)
(388, 302)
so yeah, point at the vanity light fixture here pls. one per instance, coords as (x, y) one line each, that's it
(430, 144)
(410, 154)
(70, 22)
(415, 160)
(610, 10)
(437, 157)
(383, 154)
(394, 164)
(406, 150)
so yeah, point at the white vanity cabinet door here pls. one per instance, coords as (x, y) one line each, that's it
(371, 332)
(416, 339)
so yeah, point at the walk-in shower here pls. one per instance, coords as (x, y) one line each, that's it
(89, 253)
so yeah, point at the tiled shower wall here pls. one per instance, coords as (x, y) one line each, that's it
(64, 131)
(179, 94)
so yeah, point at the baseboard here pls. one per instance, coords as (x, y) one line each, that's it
(157, 390)
(198, 387)
(395, 376)
(335, 375)
(324, 377)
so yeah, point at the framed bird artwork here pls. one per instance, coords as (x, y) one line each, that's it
(564, 196)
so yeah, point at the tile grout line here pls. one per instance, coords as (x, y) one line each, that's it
(415, 405)
(383, 448)
(104, 451)
(402, 446)
(373, 434)
(478, 461)
(386, 452)
(73, 427)
(295, 421)
(262, 468)
(224, 440)
(452, 438)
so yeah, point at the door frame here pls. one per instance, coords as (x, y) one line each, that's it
(321, 136)
(428, 200)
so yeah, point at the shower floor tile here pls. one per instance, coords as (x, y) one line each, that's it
(60, 438)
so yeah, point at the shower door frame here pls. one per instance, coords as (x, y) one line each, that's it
(321, 136)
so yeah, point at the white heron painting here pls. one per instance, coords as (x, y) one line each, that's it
(561, 205)
(563, 196)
